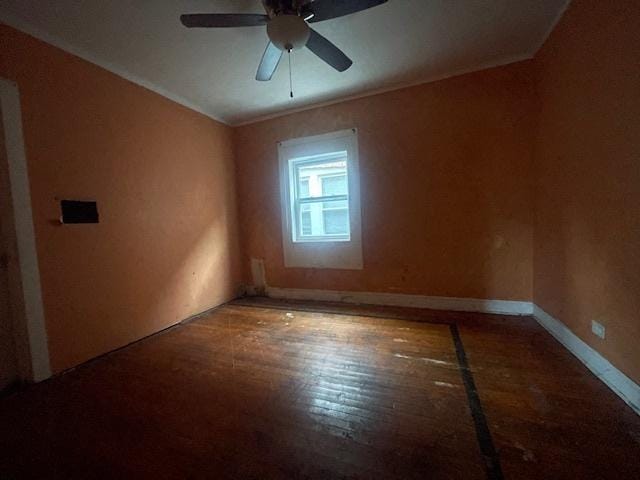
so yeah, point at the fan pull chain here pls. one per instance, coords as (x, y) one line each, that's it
(290, 80)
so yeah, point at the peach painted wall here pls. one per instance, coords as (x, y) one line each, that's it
(166, 246)
(446, 188)
(587, 228)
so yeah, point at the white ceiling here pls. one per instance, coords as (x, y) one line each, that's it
(399, 43)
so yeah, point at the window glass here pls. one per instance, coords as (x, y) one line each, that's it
(335, 217)
(305, 222)
(304, 187)
(334, 185)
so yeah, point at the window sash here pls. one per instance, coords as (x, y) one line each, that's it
(298, 201)
(298, 163)
(333, 209)
(326, 236)
(326, 198)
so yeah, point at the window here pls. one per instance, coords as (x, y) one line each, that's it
(320, 201)
(321, 198)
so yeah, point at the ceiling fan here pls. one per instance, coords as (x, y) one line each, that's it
(288, 28)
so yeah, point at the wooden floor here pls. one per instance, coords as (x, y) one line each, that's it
(261, 389)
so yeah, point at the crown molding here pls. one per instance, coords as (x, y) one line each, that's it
(38, 33)
(552, 27)
(398, 86)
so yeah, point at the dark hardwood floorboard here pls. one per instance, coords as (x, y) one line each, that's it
(264, 389)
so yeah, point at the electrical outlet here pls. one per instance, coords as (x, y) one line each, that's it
(598, 329)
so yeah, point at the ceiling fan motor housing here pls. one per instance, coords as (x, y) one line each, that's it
(288, 32)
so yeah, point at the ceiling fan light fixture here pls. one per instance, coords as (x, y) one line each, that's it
(288, 32)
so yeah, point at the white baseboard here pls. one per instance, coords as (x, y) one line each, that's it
(505, 307)
(617, 381)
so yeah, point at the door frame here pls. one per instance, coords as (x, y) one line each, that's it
(29, 319)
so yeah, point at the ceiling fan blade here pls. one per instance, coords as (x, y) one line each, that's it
(328, 52)
(208, 20)
(269, 63)
(327, 9)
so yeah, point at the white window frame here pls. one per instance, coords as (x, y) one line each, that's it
(336, 251)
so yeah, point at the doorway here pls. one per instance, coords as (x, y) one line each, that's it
(9, 375)
(24, 353)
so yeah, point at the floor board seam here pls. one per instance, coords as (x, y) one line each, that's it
(485, 441)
